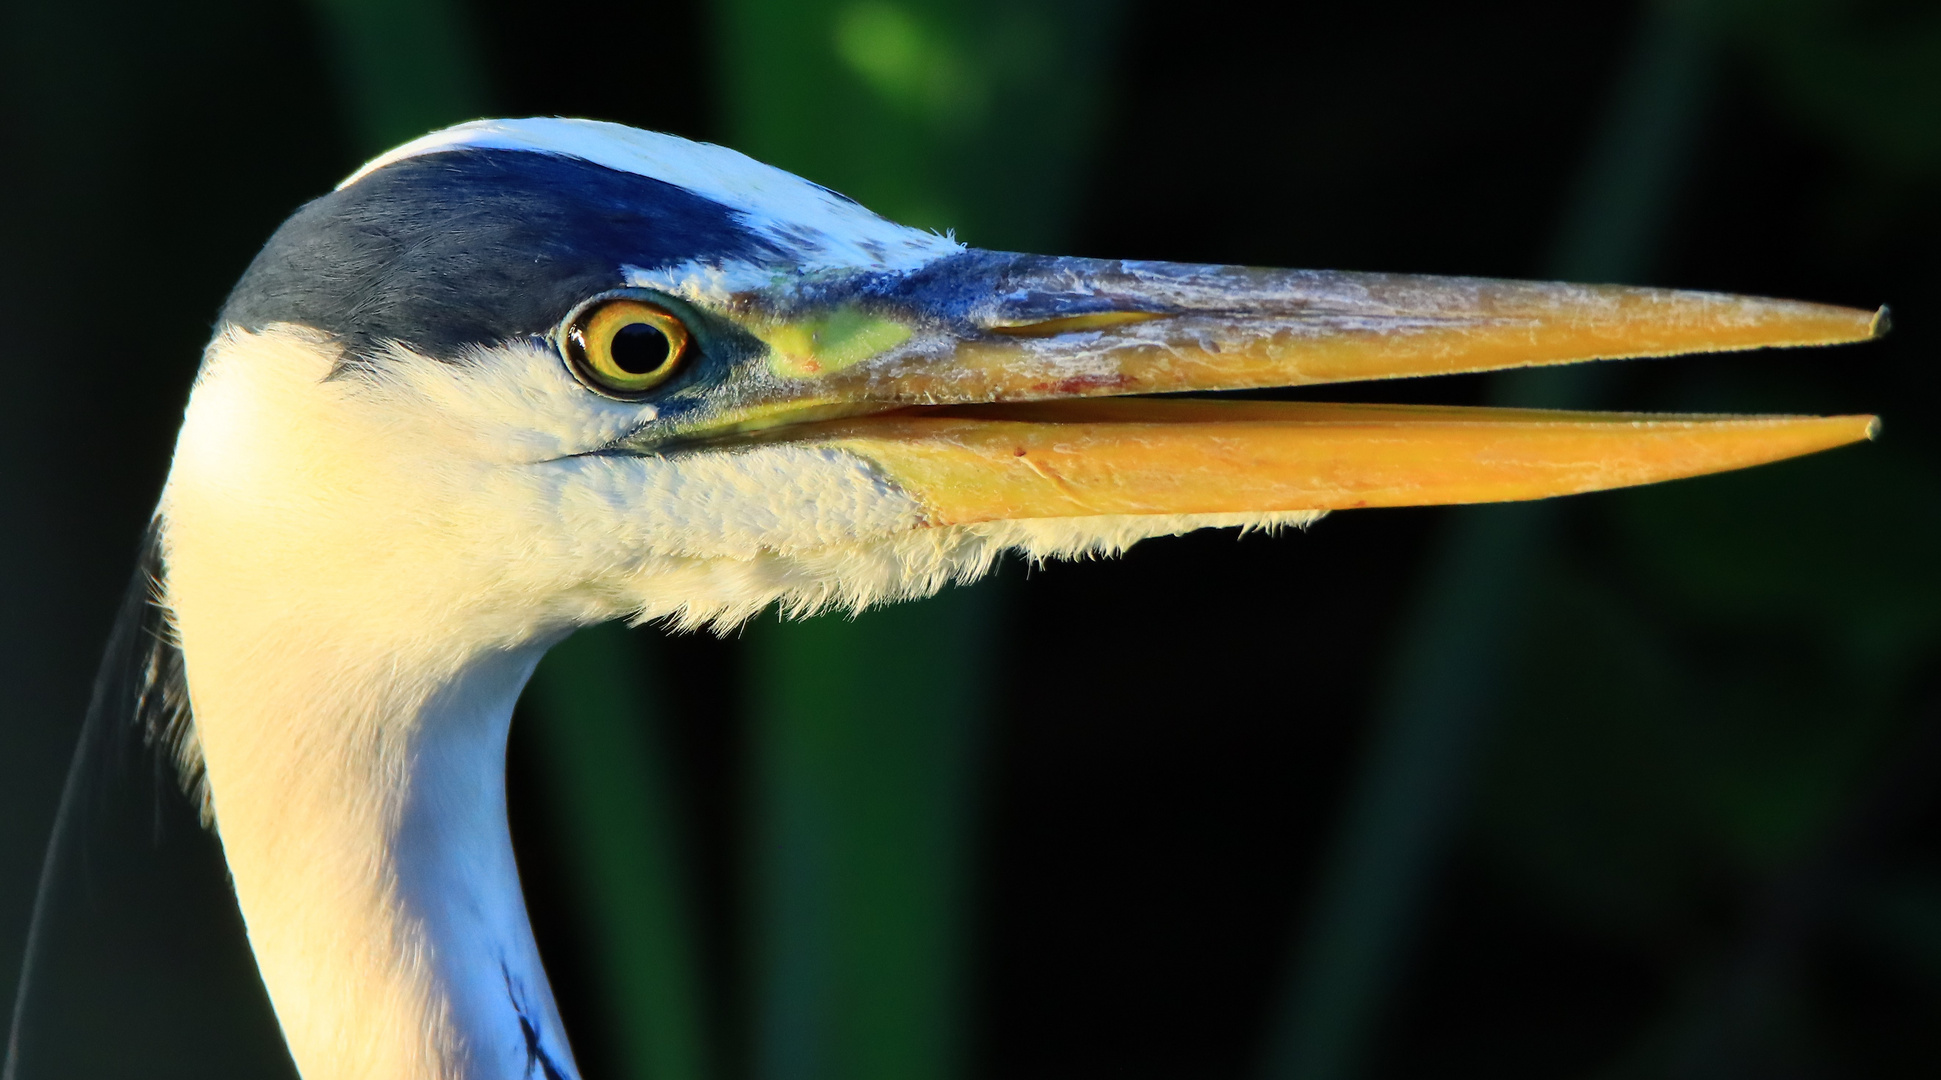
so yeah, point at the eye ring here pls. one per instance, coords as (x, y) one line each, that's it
(624, 347)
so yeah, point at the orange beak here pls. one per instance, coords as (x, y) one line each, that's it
(967, 391)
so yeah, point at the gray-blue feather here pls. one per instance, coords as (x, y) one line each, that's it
(477, 247)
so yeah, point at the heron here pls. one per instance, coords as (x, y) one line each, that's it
(519, 377)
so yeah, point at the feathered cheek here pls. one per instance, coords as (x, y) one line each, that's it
(738, 504)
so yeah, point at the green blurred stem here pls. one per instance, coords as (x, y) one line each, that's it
(407, 67)
(941, 114)
(866, 748)
(862, 727)
(609, 782)
(1446, 678)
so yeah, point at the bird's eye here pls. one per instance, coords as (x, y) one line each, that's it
(626, 347)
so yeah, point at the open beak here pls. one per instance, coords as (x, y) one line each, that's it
(967, 373)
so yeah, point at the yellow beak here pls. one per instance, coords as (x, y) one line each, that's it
(1087, 458)
(972, 407)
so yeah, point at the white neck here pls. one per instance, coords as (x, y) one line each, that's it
(457, 880)
(352, 697)
(378, 880)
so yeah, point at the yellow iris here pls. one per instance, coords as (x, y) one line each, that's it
(626, 347)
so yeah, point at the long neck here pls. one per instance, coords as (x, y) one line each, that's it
(358, 603)
(375, 873)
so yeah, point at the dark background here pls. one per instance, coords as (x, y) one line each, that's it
(1684, 828)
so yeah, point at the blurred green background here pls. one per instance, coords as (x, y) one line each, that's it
(1632, 785)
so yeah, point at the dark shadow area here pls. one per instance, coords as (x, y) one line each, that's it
(1698, 842)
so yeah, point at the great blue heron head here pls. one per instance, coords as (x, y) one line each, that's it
(521, 376)
(529, 374)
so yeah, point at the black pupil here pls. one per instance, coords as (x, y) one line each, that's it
(639, 348)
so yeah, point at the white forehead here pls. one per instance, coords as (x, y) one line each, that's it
(824, 227)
